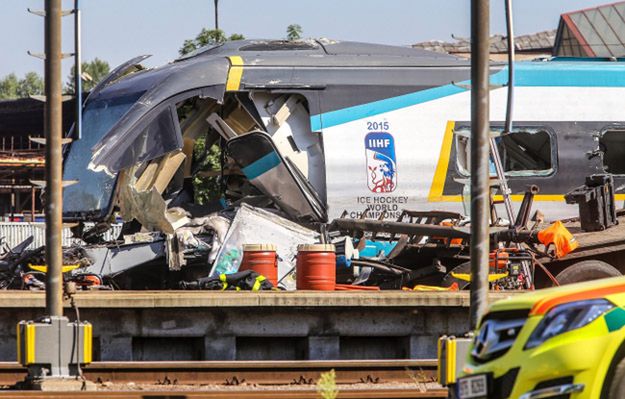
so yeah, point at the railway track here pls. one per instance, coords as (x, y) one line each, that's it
(234, 394)
(367, 379)
(232, 373)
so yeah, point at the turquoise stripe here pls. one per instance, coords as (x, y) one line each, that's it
(528, 74)
(315, 123)
(261, 165)
(569, 74)
(345, 115)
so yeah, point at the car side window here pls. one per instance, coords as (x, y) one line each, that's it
(523, 152)
(612, 145)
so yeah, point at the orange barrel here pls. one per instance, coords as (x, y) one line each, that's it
(262, 259)
(316, 267)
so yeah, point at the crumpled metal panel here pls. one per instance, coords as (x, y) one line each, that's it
(275, 176)
(144, 132)
(147, 207)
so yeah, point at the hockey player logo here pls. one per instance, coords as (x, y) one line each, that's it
(381, 163)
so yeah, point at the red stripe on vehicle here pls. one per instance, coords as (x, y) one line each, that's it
(543, 306)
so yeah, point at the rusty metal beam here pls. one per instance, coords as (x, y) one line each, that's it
(381, 226)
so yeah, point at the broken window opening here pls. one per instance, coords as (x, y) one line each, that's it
(211, 176)
(200, 176)
(91, 196)
(523, 152)
(612, 145)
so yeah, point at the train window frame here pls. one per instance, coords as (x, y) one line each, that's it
(463, 131)
(602, 133)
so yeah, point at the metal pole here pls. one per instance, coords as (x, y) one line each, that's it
(77, 73)
(216, 14)
(505, 190)
(510, 33)
(32, 202)
(53, 130)
(480, 127)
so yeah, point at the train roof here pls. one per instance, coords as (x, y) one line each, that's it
(325, 52)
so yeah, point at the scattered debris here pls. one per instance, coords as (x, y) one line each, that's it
(197, 164)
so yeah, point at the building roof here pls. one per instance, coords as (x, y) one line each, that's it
(593, 32)
(536, 42)
(24, 117)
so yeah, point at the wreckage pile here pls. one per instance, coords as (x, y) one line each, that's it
(197, 165)
(209, 252)
(248, 248)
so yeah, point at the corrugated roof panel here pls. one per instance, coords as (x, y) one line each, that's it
(618, 22)
(617, 27)
(604, 30)
(601, 28)
(620, 9)
(589, 34)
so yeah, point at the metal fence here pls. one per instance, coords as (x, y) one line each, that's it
(16, 232)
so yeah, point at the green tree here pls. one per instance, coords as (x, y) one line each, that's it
(32, 84)
(12, 87)
(8, 87)
(92, 71)
(207, 37)
(206, 182)
(294, 32)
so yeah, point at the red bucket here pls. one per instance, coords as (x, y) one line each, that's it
(262, 259)
(316, 267)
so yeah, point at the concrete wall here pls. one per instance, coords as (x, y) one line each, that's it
(249, 333)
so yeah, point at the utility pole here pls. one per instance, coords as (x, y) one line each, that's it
(480, 136)
(216, 14)
(52, 347)
(53, 128)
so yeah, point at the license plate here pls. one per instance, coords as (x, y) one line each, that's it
(475, 386)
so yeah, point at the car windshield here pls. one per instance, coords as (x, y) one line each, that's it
(92, 194)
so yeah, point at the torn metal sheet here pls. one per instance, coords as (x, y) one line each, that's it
(275, 176)
(133, 64)
(112, 260)
(257, 226)
(148, 207)
(164, 87)
(287, 121)
(141, 129)
(219, 225)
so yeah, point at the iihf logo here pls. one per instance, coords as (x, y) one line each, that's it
(381, 162)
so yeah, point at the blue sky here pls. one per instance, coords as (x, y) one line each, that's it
(116, 30)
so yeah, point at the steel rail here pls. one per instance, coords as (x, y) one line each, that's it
(405, 393)
(305, 372)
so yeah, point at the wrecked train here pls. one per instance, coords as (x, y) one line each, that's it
(306, 131)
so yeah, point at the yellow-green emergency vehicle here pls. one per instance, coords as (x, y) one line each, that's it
(564, 342)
